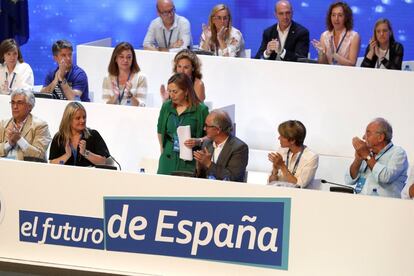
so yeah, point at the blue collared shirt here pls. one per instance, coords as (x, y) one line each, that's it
(388, 175)
(76, 79)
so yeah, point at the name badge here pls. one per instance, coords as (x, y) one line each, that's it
(176, 144)
(360, 184)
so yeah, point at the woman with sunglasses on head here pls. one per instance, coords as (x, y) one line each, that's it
(187, 62)
(383, 51)
(219, 36)
(14, 72)
(125, 83)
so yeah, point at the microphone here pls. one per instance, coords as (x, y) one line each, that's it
(110, 160)
(341, 188)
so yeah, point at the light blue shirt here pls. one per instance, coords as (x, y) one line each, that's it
(388, 175)
(158, 35)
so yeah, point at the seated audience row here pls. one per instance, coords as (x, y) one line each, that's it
(286, 40)
(379, 167)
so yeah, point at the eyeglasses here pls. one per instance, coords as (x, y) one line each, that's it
(221, 18)
(166, 13)
(18, 103)
(207, 126)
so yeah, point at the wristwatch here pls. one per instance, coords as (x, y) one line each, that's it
(368, 157)
(62, 81)
(87, 152)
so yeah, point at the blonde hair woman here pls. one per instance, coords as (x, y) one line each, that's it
(219, 36)
(383, 51)
(74, 143)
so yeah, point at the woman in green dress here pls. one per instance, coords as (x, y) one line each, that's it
(182, 109)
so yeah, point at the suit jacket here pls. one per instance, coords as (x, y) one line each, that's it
(231, 163)
(35, 132)
(395, 61)
(296, 45)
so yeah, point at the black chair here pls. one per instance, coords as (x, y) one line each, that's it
(307, 60)
(34, 159)
(44, 95)
(183, 173)
(106, 167)
(342, 190)
(202, 52)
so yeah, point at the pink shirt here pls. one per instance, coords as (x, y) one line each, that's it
(327, 39)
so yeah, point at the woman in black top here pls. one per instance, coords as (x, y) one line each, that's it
(74, 143)
(383, 51)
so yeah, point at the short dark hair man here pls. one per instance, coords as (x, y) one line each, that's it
(222, 156)
(286, 40)
(67, 81)
(379, 165)
(24, 135)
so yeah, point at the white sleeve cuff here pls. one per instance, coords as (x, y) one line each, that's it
(23, 144)
(7, 147)
(282, 55)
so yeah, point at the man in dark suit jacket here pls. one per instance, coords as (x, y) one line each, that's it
(286, 40)
(222, 156)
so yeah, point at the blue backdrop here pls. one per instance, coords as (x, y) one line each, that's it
(82, 21)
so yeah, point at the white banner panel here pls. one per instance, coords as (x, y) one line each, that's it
(327, 233)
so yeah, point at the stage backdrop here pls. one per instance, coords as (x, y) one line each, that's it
(127, 20)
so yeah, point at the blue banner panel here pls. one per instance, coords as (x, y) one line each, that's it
(66, 230)
(249, 231)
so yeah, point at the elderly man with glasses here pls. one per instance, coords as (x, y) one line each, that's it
(222, 156)
(23, 136)
(379, 167)
(168, 30)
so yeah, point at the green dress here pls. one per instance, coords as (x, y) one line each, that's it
(168, 122)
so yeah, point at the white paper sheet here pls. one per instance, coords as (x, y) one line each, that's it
(184, 133)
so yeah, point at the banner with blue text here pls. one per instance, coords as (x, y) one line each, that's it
(247, 231)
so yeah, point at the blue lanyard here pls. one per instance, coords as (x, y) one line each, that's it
(379, 156)
(177, 121)
(295, 167)
(340, 43)
(74, 154)
(121, 95)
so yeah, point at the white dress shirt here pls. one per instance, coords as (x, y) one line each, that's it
(21, 77)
